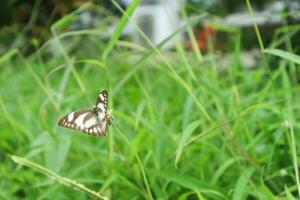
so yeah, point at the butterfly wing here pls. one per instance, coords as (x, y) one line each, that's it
(102, 101)
(83, 120)
(102, 112)
(93, 121)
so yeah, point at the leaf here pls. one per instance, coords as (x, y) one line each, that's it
(92, 62)
(8, 55)
(289, 194)
(56, 151)
(190, 182)
(63, 180)
(284, 54)
(186, 133)
(119, 28)
(241, 185)
(223, 167)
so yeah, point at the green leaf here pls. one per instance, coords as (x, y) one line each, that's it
(92, 62)
(63, 180)
(284, 54)
(223, 167)
(119, 28)
(186, 133)
(190, 182)
(241, 185)
(289, 194)
(8, 55)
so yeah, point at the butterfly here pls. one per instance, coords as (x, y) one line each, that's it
(94, 121)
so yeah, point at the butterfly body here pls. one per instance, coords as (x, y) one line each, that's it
(93, 121)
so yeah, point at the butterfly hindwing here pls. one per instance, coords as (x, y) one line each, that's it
(75, 120)
(83, 120)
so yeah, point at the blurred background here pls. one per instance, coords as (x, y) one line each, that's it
(205, 97)
(157, 19)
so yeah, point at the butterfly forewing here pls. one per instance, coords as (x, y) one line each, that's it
(102, 101)
(92, 121)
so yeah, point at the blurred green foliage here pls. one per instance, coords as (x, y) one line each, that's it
(197, 131)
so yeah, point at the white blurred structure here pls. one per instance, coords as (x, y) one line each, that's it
(157, 19)
(271, 15)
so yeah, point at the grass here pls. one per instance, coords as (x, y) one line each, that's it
(183, 128)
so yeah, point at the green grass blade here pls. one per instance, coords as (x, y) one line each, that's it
(260, 42)
(192, 37)
(186, 133)
(145, 56)
(146, 182)
(70, 18)
(223, 167)
(152, 51)
(92, 62)
(63, 180)
(119, 28)
(289, 194)
(8, 55)
(284, 54)
(241, 185)
(15, 124)
(189, 182)
(40, 82)
(294, 155)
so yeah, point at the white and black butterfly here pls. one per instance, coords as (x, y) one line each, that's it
(93, 121)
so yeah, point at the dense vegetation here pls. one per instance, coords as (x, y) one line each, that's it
(183, 128)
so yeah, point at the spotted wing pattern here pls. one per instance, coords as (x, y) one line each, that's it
(102, 101)
(92, 121)
(102, 111)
